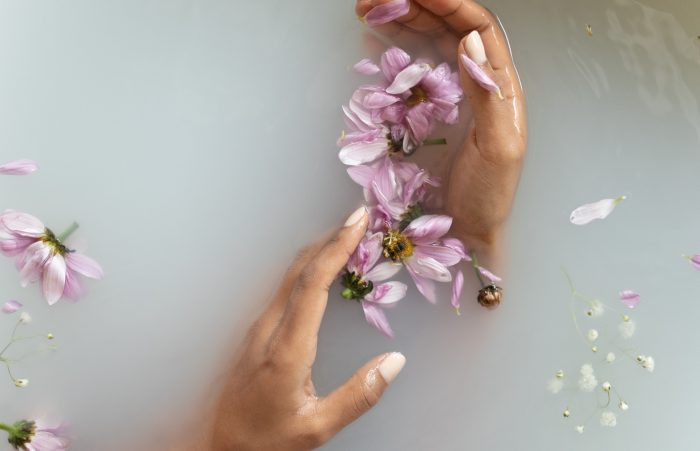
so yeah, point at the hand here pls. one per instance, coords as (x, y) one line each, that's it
(485, 171)
(269, 401)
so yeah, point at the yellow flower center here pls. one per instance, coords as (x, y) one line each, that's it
(397, 246)
(418, 95)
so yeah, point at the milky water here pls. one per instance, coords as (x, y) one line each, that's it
(194, 142)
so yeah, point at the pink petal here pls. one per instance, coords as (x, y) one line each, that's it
(379, 100)
(387, 12)
(387, 293)
(359, 153)
(408, 78)
(479, 76)
(14, 246)
(376, 317)
(629, 298)
(695, 260)
(31, 264)
(11, 306)
(383, 271)
(445, 255)
(425, 286)
(394, 61)
(428, 228)
(22, 224)
(429, 268)
(362, 175)
(73, 290)
(18, 167)
(457, 289)
(54, 278)
(457, 245)
(489, 275)
(366, 67)
(419, 119)
(596, 210)
(84, 265)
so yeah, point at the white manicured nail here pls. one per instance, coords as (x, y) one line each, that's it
(356, 216)
(475, 48)
(391, 366)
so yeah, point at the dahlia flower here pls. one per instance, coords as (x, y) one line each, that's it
(42, 256)
(35, 435)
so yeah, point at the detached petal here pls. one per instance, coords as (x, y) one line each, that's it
(18, 167)
(54, 278)
(408, 78)
(376, 317)
(695, 260)
(383, 271)
(597, 210)
(457, 289)
(84, 265)
(22, 224)
(489, 275)
(362, 152)
(479, 76)
(11, 306)
(387, 12)
(428, 228)
(629, 298)
(366, 67)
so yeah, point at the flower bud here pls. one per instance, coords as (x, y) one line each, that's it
(21, 383)
(490, 296)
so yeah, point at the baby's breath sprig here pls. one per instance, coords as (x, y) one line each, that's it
(24, 319)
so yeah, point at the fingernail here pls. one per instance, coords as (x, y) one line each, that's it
(356, 216)
(391, 366)
(475, 48)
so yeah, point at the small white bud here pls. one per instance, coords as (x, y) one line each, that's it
(606, 386)
(25, 318)
(610, 358)
(623, 405)
(592, 335)
(579, 428)
(21, 383)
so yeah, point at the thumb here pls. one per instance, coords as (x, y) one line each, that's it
(361, 392)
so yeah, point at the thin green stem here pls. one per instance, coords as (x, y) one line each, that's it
(475, 264)
(68, 232)
(12, 337)
(7, 428)
(434, 142)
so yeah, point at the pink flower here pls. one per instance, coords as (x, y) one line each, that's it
(419, 248)
(11, 306)
(387, 12)
(18, 167)
(41, 256)
(362, 272)
(37, 436)
(629, 298)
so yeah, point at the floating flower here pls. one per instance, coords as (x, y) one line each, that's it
(11, 306)
(580, 428)
(629, 298)
(387, 12)
(588, 381)
(596, 308)
(29, 435)
(592, 335)
(627, 329)
(362, 272)
(40, 255)
(18, 167)
(610, 358)
(597, 210)
(608, 419)
(555, 384)
(646, 362)
(419, 248)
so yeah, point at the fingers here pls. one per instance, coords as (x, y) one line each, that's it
(361, 392)
(298, 329)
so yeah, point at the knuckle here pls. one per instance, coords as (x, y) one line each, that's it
(313, 434)
(307, 279)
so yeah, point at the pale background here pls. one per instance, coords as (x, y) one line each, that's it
(194, 142)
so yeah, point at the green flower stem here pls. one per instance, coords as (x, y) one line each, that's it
(9, 429)
(435, 142)
(475, 264)
(68, 232)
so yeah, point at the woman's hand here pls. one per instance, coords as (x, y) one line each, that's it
(485, 171)
(269, 401)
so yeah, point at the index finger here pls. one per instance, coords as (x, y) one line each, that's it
(302, 317)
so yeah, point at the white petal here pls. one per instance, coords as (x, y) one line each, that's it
(361, 152)
(408, 78)
(597, 210)
(54, 278)
(383, 271)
